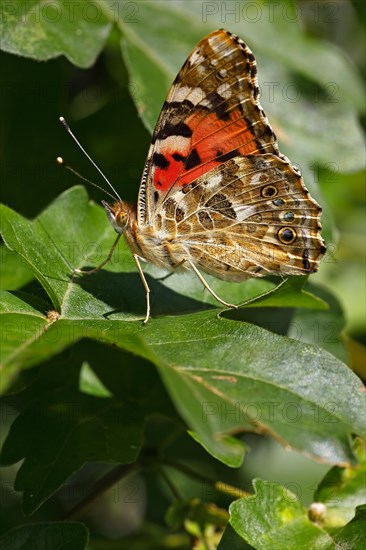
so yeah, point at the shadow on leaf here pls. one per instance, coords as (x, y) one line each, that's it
(277, 320)
(124, 293)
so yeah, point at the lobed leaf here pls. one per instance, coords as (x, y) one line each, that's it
(72, 429)
(274, 518)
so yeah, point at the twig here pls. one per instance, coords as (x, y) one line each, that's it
(100, 487)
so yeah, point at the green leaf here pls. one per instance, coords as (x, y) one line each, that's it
(263, 382)
(72, 429)
(230, 540)
(34, 245)
(288, 293)
(21, 325)
(66, 535)
(342, 489)
(353, 534)
(274, 518)
(44, 31)
(14, 273)
(222, 375)
(90, 383)
(63, 428)
(322, 328)
(232, 376)
(227, 449)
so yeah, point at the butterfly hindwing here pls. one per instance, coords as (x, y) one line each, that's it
(239, 219)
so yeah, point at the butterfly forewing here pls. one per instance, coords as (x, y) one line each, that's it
(211, 114)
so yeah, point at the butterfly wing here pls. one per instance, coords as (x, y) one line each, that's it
(250, 216)
(215, 184)
(211, 114)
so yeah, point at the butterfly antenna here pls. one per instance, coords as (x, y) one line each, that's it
(61, 161)
(68, 129)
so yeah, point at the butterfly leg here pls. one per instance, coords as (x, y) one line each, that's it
(95, 269)
(146, 286)
(206, 285)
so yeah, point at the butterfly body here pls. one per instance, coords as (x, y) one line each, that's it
(147, 242)
(216, 193)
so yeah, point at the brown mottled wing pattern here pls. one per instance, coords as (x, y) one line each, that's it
(211, 114)
(250, 216)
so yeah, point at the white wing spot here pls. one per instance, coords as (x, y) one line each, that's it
(173, 143)
(214, 181)
(206, 103)
(197, 57)
(224, 90)
(243, 212)
(194, 95)
(212, 40)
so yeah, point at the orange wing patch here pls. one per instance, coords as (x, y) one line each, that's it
(213, 142)
(212, 114)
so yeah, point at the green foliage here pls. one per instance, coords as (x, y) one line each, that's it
(98, 405)
(274, 517)
(65, 536)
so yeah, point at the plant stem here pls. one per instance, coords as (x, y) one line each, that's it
(220, 486)
(101, 486)
(171, 485)
(123, 470)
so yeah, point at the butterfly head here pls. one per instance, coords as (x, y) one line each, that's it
(118, 214)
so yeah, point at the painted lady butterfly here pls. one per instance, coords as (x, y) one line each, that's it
(216, 194)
